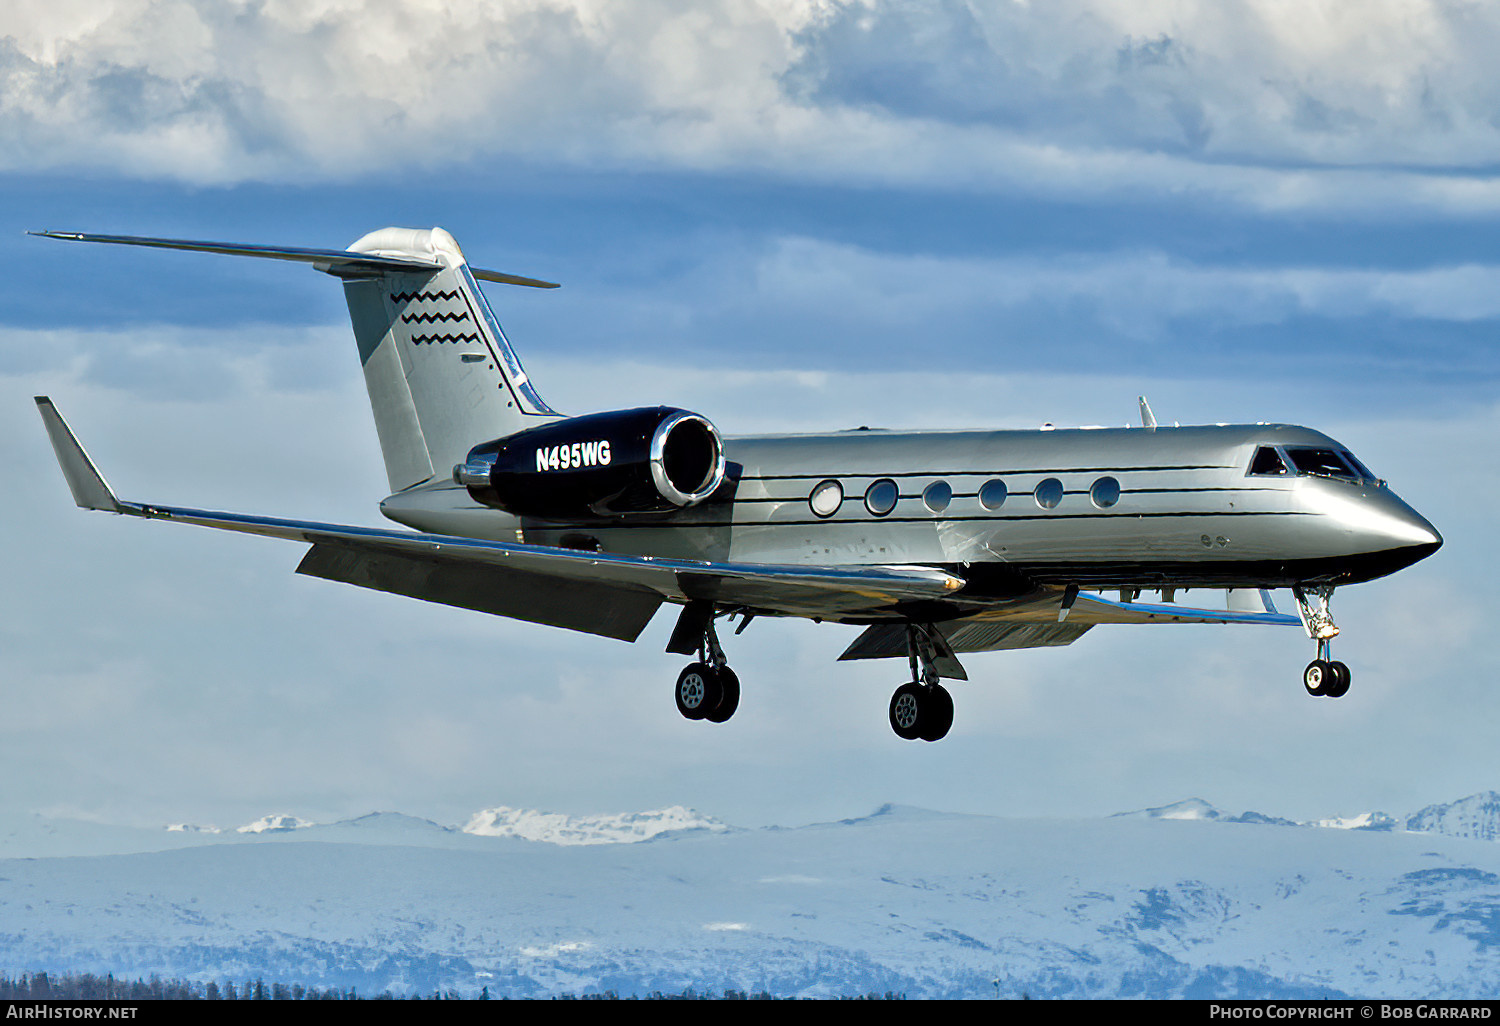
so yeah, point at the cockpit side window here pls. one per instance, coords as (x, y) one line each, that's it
(1363, 470)
(1321, 463)
(1268, 462)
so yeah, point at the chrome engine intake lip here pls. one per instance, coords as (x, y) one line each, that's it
(707, 483)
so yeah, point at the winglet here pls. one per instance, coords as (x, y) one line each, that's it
(89, 488)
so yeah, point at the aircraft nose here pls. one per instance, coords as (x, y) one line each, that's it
(1399, 533)
(1408, 528)
(1381, 532)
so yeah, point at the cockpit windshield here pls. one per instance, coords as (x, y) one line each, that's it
(1328, 463)
(1309, 461)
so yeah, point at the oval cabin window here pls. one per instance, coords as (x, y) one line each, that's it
(992, 494)
(937, 496)
(880, 497)
(826, 498)
(1049, 493)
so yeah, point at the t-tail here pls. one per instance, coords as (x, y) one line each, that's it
(441, 375)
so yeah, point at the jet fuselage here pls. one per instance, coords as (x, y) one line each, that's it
(1094, 507)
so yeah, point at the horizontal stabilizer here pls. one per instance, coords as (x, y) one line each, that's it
(335, 261)
(88, 486)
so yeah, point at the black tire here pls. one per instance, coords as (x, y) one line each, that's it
(697, 690)
(1340, 685)
(1318, 677)
(908, 707)
(729, 696)
(937, 713)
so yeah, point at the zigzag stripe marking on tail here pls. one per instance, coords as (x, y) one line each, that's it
(428, 318)
(418, 340)
(406, 297)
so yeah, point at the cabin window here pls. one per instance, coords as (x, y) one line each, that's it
(992, 494)
(1049, 493)
(1105, 492)
(826, 498)
(1321, 463)
(880, 497)
(937, 496)
(1267, 462)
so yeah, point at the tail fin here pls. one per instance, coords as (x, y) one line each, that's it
(441, 374)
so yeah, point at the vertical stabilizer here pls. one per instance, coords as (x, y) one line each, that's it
(441, 374)
(442, 377)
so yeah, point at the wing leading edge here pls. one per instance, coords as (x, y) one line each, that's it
(598, 593)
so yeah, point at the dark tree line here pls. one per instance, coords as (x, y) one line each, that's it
(42, 986)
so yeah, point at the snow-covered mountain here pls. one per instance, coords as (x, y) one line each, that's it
(556, 828)
(1180, 900)
(1477, 816)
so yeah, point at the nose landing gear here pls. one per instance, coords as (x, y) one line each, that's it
(1324, 676)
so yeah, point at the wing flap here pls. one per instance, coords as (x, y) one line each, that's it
(888, 640)
(611, 611)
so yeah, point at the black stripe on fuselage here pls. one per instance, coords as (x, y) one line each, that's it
(974, 495)
(815, 477)
(584, 525)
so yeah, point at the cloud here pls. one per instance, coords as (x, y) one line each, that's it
(818, 307)
(817, 304)
(1264, 104)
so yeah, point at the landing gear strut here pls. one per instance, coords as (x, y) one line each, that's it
(707, 689)
(1324, 676)
(922, 708)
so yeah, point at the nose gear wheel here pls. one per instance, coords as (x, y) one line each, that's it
(1324, 677)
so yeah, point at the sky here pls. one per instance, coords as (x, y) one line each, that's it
(787, 217)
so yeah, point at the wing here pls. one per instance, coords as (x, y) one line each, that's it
(598, 593)
(1061, 618)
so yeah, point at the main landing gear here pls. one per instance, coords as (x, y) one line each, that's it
(921, 709)
(1324, 676)
(707, 689)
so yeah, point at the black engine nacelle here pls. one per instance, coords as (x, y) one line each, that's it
(651, 460)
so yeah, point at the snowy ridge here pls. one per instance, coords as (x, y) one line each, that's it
(274, 824)
(1364, 821)
(556, 828)
(1477, 817)
(1176, 901)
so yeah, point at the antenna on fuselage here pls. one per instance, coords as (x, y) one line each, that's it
(1148, 419)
